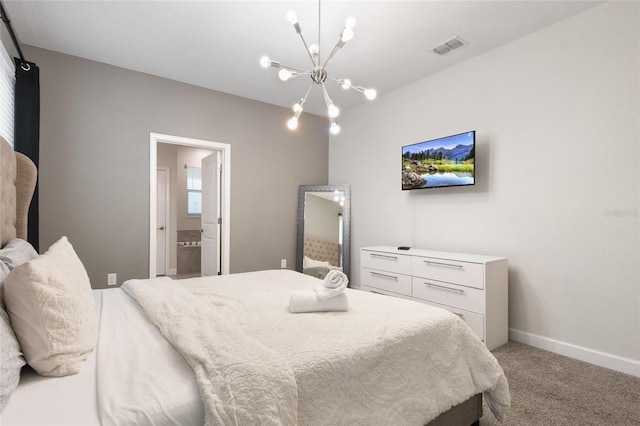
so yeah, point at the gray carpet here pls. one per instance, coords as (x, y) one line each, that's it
(550, 389)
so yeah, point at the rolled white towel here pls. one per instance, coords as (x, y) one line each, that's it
(306, 301)
(334, 284)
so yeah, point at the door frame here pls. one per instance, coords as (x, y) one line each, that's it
(225, 192)
(167, 197)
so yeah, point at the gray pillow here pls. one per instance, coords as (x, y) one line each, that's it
(14, 254)
(11, 360)
(17, 252)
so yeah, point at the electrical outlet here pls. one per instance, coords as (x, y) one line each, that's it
(283, 263)
(112, 279)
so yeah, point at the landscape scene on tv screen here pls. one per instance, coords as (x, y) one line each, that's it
(447, 161)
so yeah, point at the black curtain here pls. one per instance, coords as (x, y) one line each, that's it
(27, 131)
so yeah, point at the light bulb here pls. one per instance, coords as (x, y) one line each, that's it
(333, 111)
(293, 123)
(351, 22)
(292, 17)
(284, 74)
(297, 107)
(265, 62)
(370, 94)
(314, 49)
(346, 84)
(347, 34)
(334, 129)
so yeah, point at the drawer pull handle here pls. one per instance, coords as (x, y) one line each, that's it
(384, 256)
(457, 290)
(444, 265)
(377, 274)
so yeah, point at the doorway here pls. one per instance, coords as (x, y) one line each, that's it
(223, 154)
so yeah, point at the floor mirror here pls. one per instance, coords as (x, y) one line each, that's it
(324, 228)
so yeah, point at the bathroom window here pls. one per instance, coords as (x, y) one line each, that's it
(194, 190)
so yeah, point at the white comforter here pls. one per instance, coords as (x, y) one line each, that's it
(241, 381)
(386, 361)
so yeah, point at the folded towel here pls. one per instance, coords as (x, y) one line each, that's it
(306, 301)
(334, 284)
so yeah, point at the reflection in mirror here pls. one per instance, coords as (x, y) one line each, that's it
(324, 214)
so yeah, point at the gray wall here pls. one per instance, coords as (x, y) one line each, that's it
(94, 163)
(558, 177)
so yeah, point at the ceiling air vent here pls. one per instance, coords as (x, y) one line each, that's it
(449, 45)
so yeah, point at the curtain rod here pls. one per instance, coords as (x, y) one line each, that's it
(7, 22)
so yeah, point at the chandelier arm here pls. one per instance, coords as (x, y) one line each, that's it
(327, 99)
(353, 86)
(337, 47)
(319, 26)
(300, 71)
(306, 95)
(306, 48)
(339, 81)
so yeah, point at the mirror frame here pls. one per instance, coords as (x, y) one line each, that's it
(346, 223)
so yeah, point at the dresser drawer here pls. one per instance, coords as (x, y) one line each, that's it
(385, 280)
(386, 262)
(474, 321)
(451, 271)
(467, 298)
(385, 292)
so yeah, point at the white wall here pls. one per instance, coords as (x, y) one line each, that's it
(321, 218)
(557, 119)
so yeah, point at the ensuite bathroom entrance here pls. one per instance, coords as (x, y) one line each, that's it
(189, 231)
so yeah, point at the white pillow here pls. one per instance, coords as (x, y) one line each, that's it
(312, 263)
(52, 313)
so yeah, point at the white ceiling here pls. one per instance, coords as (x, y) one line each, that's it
(218, 44)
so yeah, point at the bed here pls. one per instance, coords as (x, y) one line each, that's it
(226, 350)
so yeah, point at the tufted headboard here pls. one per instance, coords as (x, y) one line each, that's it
(321, 249)
(17, 182)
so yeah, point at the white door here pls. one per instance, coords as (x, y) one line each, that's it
(210, 241)
(161, 222)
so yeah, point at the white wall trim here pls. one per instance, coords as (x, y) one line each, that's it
(225, 197)
(613, 362)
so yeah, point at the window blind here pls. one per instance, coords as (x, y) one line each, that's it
(7, 87)
(194, 190)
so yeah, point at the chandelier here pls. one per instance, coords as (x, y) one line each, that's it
(318, 72)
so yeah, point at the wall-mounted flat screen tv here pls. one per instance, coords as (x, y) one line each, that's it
(439, 163)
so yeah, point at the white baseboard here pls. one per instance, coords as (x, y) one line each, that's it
(172, 272)
(612, 362)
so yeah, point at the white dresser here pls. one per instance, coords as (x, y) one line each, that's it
(474, 287)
